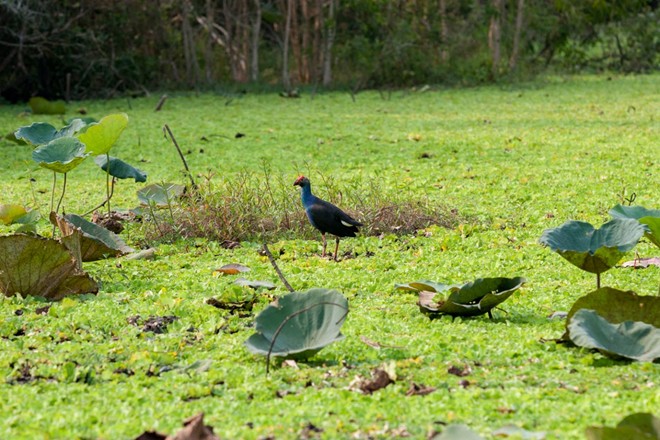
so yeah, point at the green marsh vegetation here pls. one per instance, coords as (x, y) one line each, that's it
(495, 166)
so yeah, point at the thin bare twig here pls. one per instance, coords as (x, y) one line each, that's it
(277, 269)
(166, 131)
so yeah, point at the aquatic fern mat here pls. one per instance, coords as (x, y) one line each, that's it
(508, 162)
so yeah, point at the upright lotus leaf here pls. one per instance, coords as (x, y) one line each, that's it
(648, 217)
(630, 339)
(475, 298)
(40, 133)
(618, 306)
(40, 266)
(96, 242)
(101, 136)
(120, 169)
(10, 213)
(637, 426)
(160, 195)
(60, 155)
(42, 106)
(299, 324)
(590, 249)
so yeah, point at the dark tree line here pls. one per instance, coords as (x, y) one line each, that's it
(94, 48)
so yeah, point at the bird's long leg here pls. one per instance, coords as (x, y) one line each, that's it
(324, 243)
(336, 247)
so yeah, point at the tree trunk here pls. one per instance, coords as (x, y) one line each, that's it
(331, 28)
(444, 31)
(190, 55)
(256, 35)
(208, 53)
(513, 60)
(286, 79)
(495, 36)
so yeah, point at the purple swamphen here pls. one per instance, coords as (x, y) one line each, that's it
(325, 216)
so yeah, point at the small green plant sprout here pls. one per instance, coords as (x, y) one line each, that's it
(639, 426)
(648, 217)
(617, 323)
(299, 324)
(99, 137)
(590, 249)
(39, 266)
(471, 299)
(18, 214)
(96, 242)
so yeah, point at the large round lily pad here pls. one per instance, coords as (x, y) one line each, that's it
(60, 155)
(299, 324)
(591, 249)
(40, 133)
(648, 217)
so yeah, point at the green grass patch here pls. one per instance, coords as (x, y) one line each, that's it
(484, 170)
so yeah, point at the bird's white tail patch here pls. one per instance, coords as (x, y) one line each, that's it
(348, 225)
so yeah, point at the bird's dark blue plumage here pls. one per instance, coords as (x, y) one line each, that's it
(325, 216)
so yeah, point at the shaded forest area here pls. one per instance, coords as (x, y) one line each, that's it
(93, 48)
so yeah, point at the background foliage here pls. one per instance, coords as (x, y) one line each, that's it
(89, 48)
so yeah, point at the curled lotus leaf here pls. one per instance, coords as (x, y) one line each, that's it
(299, 324)
(425, 285)
(590, 249)
(60, 155)
(40, 266)
(630, 339)
(648, 217)
(120, 169)
(471, 299)
(617, 306)
(96, 242)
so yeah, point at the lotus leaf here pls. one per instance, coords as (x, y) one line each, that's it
(471, 299)
(255, 284)
(590, 249)
(101, 136)
(40, 267)
(42, 106)
(10, 213)
(638, 426)
(299, 324)
(160, 195)
(40, 133)
(457, 432)
(96, 242)
(617, 306)
(120, 169)
(630, 339)
(648, 217)
(60, 155)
